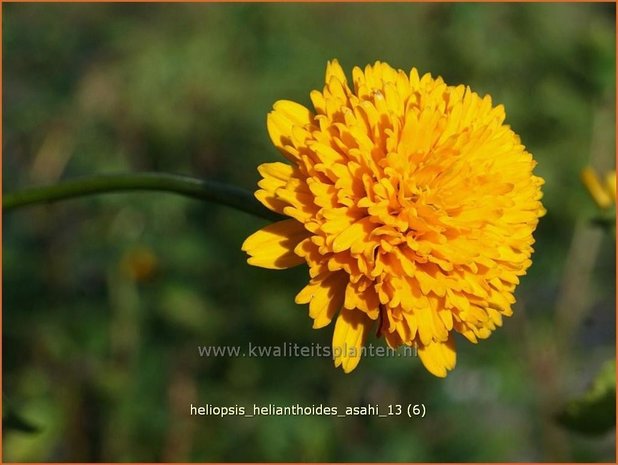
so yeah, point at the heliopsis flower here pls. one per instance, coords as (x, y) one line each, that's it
(412, 204)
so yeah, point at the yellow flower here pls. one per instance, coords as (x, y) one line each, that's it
(603, 195)
(411, 202)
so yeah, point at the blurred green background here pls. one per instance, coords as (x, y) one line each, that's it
(106, 299)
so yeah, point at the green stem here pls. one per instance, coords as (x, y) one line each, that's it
(184, 185)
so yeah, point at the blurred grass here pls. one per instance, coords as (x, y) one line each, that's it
(104, 362)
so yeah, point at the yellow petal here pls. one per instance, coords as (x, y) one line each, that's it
(412, 324)
(280, 122)
(364, 300)
(354, 233)
(447, 318)
(327, 154)
(610, 182)
(325, 297)
(393, 340)
(333, 69)
(275, 176)
(424, 319)
(296, 113)
(270, 201)
(596, 190)
(277, 173)
(273, 246)
(349, 337)
(439, 357)
(319, 103)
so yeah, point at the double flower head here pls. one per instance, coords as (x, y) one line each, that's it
(412, 204)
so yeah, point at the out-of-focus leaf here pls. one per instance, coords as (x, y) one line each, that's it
(13, 421)
(595, 411)
(606, 222)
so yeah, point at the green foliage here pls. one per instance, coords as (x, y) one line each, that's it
(595, 411)
(13, 421)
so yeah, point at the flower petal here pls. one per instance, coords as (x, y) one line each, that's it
(352, 234)
(349, 337)
(439, 357)
(275, 175)
(280, 122)
(333, 69)
(325, 297)
(273, 246)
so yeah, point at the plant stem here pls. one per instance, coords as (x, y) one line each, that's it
(184, 185)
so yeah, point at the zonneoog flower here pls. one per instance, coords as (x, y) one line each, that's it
(412, 203)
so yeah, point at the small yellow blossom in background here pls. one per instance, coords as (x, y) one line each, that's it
(412, 203)
(139, 264)
(603, 194)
